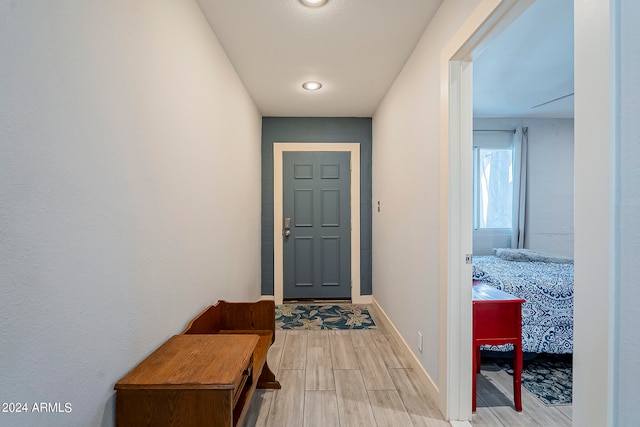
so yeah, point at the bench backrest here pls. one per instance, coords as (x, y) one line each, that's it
(234, 316)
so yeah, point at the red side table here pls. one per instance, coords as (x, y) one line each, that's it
(497, 320)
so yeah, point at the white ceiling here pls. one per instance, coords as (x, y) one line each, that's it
(529, 64)
(356, 48)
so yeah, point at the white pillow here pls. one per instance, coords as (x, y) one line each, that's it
(524, 255)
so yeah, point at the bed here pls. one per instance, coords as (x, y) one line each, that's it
(546, 283)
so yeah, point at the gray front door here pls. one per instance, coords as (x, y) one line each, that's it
(316, 225)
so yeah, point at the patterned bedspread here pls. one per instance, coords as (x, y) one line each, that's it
(547, 314)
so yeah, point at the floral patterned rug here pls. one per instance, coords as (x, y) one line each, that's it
(316, 317)
(549, 377)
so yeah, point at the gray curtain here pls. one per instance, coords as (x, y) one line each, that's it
(520, 190)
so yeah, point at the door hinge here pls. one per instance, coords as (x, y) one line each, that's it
(468, 258)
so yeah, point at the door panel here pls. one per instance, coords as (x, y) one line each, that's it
(303, 208)
(330, 261)
(316, 196)
(303, 255)
(330, 208)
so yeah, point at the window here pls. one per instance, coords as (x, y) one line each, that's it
(493, 183)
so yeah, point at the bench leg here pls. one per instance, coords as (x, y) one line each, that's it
(267, 378)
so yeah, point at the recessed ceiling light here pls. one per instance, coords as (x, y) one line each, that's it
(312, 85)
(314, 3)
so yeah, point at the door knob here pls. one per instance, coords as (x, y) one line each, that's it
(286, 230)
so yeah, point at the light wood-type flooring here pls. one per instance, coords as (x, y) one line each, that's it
(495, 404)
(363, 378)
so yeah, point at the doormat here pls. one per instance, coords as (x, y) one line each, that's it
(318, 317)
(548, 376)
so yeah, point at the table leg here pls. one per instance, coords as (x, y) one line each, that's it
(517, 377)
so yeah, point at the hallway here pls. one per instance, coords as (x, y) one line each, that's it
(342, 378)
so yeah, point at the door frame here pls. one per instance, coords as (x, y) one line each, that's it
(488, 20)
(278, 260)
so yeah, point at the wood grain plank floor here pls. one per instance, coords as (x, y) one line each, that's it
(495, 404)
(388, 408)
(287, 406)
(354, 407)
(319, 371)
(420, 406)
(320, 408)
(343, 354)
(390, 354)
(363, 378)
(294, 350)
(374, 371)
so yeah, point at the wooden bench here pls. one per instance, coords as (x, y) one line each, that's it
(256, 318)
(204, 376)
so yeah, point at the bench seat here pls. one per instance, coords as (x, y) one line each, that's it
(256, 318)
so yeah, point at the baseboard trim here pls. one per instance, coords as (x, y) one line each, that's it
(460, 423)
(424, 377)
(363, 299)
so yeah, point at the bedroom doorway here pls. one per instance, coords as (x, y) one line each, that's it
(460, 59)
(538, 129)
(486, 22)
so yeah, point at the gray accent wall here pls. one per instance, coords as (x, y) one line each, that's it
(316, 129)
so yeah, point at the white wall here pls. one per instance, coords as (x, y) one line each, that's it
(596, 244)
(550, 183)
(129, 193)
(406, 181)
(606, 224)
(627, 339)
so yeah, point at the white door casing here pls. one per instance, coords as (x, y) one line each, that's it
(354, 149)
(456, 224)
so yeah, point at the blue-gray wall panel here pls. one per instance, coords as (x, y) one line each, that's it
(316, 129)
